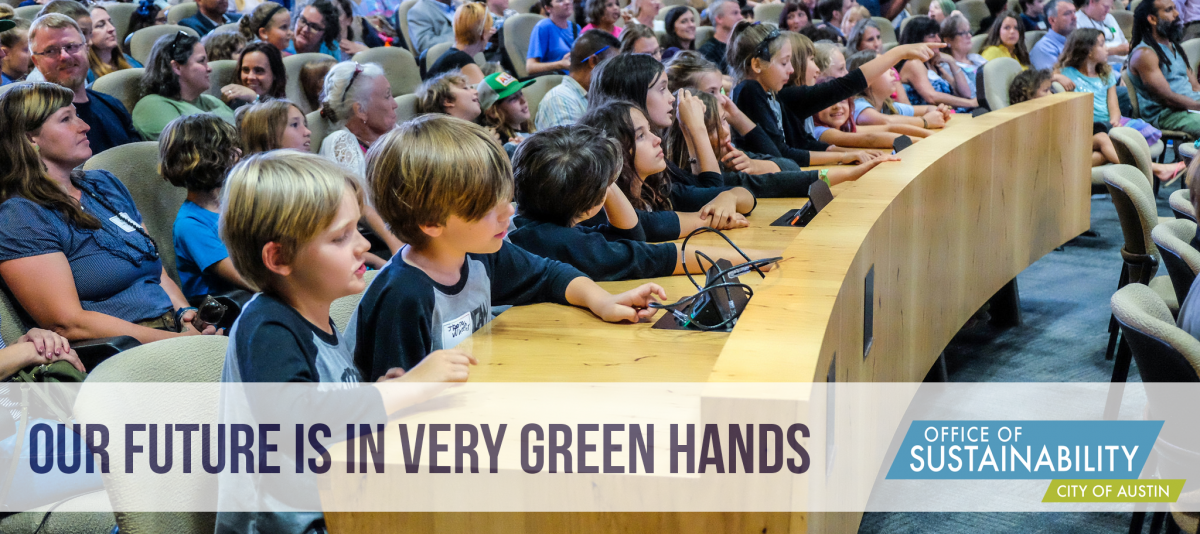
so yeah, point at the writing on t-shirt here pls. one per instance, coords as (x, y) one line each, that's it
(458, 328)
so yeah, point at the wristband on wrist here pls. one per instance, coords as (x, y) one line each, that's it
(824, 174)
(179, 316)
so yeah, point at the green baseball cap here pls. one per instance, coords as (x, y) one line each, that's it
(498, 86)
(7, 24)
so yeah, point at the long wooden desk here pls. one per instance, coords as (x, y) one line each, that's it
(943, 230)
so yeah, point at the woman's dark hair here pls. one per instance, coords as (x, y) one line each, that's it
(278, 88)
(197, 151)
(625, 77)
(144, 16)
(671, 40)
(631, 36)
(563, 172)
(24, 109)
(917, 28)
(312, 80)
(856, 34)
(329, 18)
(615, 119)
(159, 78)
(792, 7)
(1143, 32)
(1026, 84)
(1077, 49)
(993, 36)
(594, 11)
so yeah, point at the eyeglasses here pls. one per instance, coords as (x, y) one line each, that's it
(53, 51)
(312, 25)
(175, 42)
(357, 70)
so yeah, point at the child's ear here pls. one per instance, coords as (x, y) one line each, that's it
(447, 103)
(756, 65)
(432, 230)
(272, 257)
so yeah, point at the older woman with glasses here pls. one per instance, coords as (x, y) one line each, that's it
(956, 33)
(174, 83)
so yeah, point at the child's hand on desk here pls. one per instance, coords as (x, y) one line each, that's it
(632, 305)
(449, 365)
(720, 212)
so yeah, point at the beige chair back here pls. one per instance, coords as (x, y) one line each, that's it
(28, 12)
(124, 85)
(768, 12)
(524, 6)
(1125, 21)
(1134, 200)
(341, 309)
(1181, 204)
(406, 108)
(120, 13)
(703, 34)
(231, 27)
(975, 11)
(292, 65)
(320, 129)
(887, 32)
(182, 359)
(1191, 47)
(998, 74)
(1174, 240)
(136, 165)
(1032, 37)
(224, 72)
(1132, 150)
(13, 323)
(1133, 96)
(976, 42)
(536, 91)
(402, 18)
(181, 11)
(398, 65)
(517, 30)
(142, 41)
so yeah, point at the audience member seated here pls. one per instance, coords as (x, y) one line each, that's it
(500, 12)
(357, 34)
(956, 33)
(725, 14)
(429, 23)
(875, 106)
(829, 57)
(795, 17)
(61, 53)
(1006, 38)
(603, 15)
(15, 59)
(1084, 62)
(224, 45)
(83, 19)
(995, 9)
(830, 12)
(689, 70)
(864, 36)
(312, 80)
(472, 30)
(73, 250)
(272, 125)
(174, 84)
(106, 55)
(643, 12)
(196, 152)
(269, 22)
(680, 31)
(450, 94)
(148, 13)
(316, 30)
(358, 100)
(1188, 318)
(1096, 14)
(670, 201)
(260, 75)
(567, 102)
(1033, 16)
(504, 108)
(638, 39)
(835, 125)
(552, 38)
(938, 79)
(1061, 17)
(852, 17)
(36, 347)
(939, 10)
(1159, 70)
(568, 175)
(209, 15)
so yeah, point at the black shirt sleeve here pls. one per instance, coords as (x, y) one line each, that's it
(790, 184)
(273, 351)
(519, 277)
(451, 60)
(394, 320)
(601, 256)
(692, 198)
(804, 101)
(753, 100)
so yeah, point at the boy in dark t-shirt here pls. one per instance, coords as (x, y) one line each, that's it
(289, 221)
(444, 186)
(566, 175)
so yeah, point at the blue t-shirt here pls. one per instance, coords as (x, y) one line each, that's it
(549, 43)
(861, 104)
(198, 247)
(116, 269)
(1098, 87)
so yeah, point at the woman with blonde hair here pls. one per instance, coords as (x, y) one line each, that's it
(105, 54)
(473, 28)
(73, 249)
(272, 125)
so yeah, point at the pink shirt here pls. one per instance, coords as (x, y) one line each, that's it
(616, 30)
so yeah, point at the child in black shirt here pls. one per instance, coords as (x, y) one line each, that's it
(568, 174)
(444, 186)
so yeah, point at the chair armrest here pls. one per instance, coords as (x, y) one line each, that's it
(93, 351)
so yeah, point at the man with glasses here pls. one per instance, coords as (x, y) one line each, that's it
(566, 103)
(211, 13)
(1061, 16)
(60, 54)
